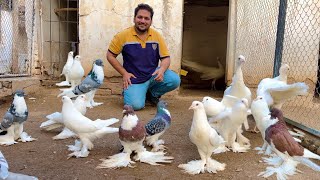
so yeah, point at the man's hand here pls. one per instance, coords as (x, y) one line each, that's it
(127, 80)
(159, 72)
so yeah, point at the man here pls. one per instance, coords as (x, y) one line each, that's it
(142, 47)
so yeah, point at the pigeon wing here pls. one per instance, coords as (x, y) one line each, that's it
(155, 126)
(283, 141)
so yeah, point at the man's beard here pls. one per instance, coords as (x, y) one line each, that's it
(141, 30)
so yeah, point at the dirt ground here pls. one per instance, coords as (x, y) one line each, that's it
(47, 158)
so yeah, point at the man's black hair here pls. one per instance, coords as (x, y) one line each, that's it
(145, 7)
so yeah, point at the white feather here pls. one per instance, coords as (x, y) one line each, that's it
(86, 129)
(76, 72)
(66, 70)
(205, 138)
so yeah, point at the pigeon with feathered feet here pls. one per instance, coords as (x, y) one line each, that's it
(132, 134)
(12, 124)
(288, 152)
(89, 85)
(157, 126)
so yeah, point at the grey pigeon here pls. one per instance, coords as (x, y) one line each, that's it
(13, 121)
(157, 126)
(89, 85)
(5, 174)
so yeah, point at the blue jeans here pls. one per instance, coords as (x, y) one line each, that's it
(135, 95)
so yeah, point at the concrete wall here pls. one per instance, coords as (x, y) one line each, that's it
(100, 20)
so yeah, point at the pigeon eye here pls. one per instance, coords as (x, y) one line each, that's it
(197, 104)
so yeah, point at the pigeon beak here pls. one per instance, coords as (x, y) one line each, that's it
(123, 111)
(191, 107)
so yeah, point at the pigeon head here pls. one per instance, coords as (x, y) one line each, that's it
(196, 105)
(284, 69)
(259, 99)
(241, 59)
(98, 62)
(66, 99)
(82, 97)
(19, 93)
(206, 99)
(70, 53)
(162, 104)
(259, 104)
(128, 110)
(276, 113)
(77, 58)
(245, 102)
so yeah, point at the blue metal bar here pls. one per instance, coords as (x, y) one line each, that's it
(303, 127)
(280, 37)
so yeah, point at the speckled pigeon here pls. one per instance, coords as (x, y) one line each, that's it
(157, 126)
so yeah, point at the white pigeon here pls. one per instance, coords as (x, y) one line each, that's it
(214, 107)
(238, 87)
(132, 133)
(76, 72)
(89, 85)
(206, 139)
(86, 129)
(13, 121)
(261, 115)
(55, 119)
(66, 70)
(276, 91)
(207, 72)
(229, 121)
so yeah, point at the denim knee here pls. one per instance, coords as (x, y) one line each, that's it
(174, 81)
(137, 104)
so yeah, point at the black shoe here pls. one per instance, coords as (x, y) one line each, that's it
(153, 100)
(121, 149)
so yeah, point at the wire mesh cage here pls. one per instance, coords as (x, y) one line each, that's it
(271, 32)
(301, 52)
(16, 32)
(256, 38)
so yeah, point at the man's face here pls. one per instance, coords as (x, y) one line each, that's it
(142, 21)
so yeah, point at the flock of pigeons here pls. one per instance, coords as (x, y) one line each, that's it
(216, 125)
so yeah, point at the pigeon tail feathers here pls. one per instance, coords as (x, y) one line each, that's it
(116, 161)
(153, 158)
